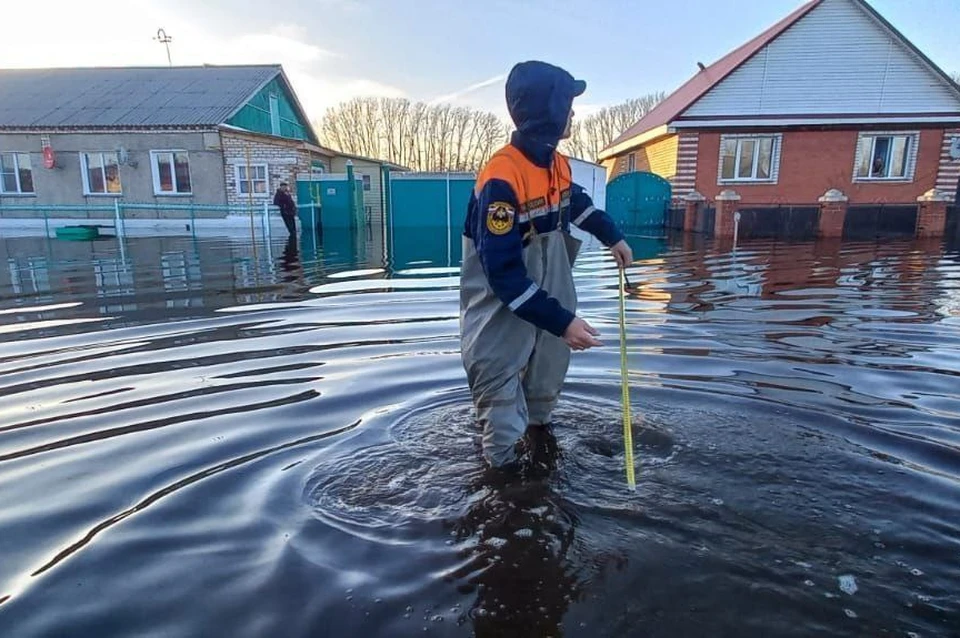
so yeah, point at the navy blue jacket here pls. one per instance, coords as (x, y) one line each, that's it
(526, 188)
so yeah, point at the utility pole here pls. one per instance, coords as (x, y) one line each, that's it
(165, 40)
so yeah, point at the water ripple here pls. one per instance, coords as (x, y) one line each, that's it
(292, 442)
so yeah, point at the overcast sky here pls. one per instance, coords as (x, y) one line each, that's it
(429, 50)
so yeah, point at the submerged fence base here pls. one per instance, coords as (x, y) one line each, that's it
(122, 219)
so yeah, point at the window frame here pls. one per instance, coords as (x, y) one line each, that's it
(912, 151)
(16, 174)
(155, 172)
(632, 163)
(266, 179)
(85, 173)
(757, 138)
(276, 126)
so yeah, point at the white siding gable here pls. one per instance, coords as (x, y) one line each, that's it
(835, 60)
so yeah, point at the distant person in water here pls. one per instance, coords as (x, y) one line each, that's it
(288, 208)
(517, 297)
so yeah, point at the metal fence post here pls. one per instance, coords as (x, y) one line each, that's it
(266, 220)
(449, 247)
(117, 223)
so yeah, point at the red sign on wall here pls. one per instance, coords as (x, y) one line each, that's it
(49, 157)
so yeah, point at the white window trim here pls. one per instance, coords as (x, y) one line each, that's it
(85, 174)
(155, 171)
(774, 159)
(237, 180)
(912, 155)
(16, 173)
(632, 162)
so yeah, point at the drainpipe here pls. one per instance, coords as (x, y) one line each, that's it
(351, 194)
(385, 191)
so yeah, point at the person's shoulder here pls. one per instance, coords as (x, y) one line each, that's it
(502, 166)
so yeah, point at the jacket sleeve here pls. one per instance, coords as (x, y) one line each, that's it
(593, 220)
(499, 245)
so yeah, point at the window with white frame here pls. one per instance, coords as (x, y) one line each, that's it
(16, 174)
(749, 158)
(253, 182)
(171, 172)
(631, 162)
(886, 156)
(367, 182)
(101, 174)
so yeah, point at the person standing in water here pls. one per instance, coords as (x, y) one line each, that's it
(283, 200)
(517, 296)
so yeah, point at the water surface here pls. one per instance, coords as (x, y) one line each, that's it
(219, 437)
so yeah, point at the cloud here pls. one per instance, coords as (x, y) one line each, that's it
(125, 38)
(456, 95)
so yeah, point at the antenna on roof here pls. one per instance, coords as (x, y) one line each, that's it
(165, 40)
(702, 68)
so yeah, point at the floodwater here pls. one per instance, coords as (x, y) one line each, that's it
(212, 437)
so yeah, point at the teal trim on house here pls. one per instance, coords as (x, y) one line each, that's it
(272, 111)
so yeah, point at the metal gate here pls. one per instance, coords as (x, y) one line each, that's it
(639, 203)
(426, 216)
(323, 201)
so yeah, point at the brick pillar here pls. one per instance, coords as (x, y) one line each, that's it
(932, 213)
(693, 203)
(728, 202)
(833, 213)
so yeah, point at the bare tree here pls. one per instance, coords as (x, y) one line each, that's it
(441, 137)
(420, 136)
(589, 135)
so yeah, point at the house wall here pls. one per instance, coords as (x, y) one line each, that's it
(373, 198)
(812, 162)
(255, 115)
(949, 174)
(659, 157)
(838, 59)
(64, 183)
(285, 160)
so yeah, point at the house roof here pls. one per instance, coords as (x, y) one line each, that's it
(706, 79)
(654, 124)
(128, 97)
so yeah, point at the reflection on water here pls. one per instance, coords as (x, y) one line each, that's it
(214, 437)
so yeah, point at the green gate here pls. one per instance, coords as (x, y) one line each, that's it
(427, 212)
(328, 195)
(639, 203)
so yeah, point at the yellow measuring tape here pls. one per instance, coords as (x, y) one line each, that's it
(625, 386)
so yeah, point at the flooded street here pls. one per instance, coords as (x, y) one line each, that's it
(214, 437)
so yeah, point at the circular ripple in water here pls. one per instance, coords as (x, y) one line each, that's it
(425, 466)
(417, 471)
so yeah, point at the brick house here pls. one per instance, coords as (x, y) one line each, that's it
(211, 135)
(831, 98)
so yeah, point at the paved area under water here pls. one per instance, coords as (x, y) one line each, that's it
(220, 438)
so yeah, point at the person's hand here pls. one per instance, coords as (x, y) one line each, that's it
(579, 335)
(622, 253)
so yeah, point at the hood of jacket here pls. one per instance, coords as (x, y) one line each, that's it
(539, 99)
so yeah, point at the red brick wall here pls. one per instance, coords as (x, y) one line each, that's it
(812, 162)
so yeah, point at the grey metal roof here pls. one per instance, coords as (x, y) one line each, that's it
(127, 97)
